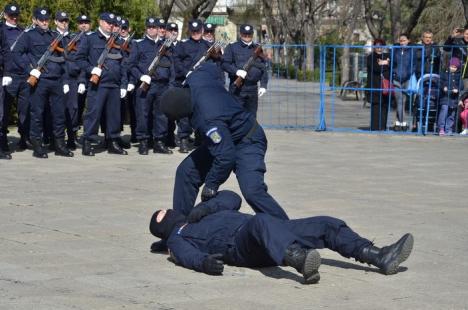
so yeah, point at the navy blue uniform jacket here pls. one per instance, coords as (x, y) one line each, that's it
(220, 119)
(187, 53)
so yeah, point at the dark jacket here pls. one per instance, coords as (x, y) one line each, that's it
(89, 51)
(236, 56)
(453, 82)
(187, 53)
(374, 75)
(143, 53)
(457, 47)
(30, 48)
(404, 60)
(430, 57)
(10, 35)
(216, 111)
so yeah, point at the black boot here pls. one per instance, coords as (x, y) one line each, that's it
(87, 149)
(160, 147)
(123, 144)
(306, 262)
(184, 145)
(388, 258)
(61, 149)
(71, 141)
(159, 246)
(143, 147)
(4, 155)
(113, 147)
(22, 144)
(4, 144)
(39, 150)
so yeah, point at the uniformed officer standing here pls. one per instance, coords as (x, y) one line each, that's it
(216, 233)
(234, 58)
(50, 87)
(172, 29)
(4, 151)
(187, 53)
(151, 122)
(128, 102)
(233, 141)
(84, 24)
(107, 92)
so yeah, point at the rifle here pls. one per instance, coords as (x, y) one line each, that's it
(71, 46)
(154, 64)
(102, 58)
(210, 53)
(20, 35)
(258, 52)
(53, 47)
(125, 45)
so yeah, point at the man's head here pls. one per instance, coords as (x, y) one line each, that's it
(403, 39)
(171, 29)
(246, 33)
(427, 37)
(106, 22)
(196, 29)
(465, 33)
(164, 221)
(84, 23)
(209, 32)
(151, 27)
(176, 103)
(62, 21)
(161, 25)
(124, 28)
(42, 17)
(12, 12)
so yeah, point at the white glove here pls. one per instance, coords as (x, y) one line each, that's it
(96, 71)
(123, 93)
(241, 73)
(66, 89)
(130, 87)
(146, 78)
(36, 73)
(261, 91)
(7, 81)
(81, 88)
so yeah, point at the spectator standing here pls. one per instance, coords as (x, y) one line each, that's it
(451, 86)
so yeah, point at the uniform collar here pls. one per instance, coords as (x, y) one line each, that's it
(152, 40)
(107, 36)
(60, 32)
(246, 44)
(10, 25)
(197, 41)
(42, 31)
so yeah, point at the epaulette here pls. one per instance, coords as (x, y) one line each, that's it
(89, 33)
(138, 40)
(184, 40)
(28, 29)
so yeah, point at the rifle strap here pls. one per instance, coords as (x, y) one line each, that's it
(116, 56)
(57, 59)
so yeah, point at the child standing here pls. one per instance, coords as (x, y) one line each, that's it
(464, 117)
(450, 89)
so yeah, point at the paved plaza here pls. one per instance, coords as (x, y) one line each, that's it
(74, 232)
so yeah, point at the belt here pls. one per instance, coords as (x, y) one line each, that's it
(252, 130)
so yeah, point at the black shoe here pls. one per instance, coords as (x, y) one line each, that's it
(87, 149)
(4, 155)
(4, 144)
(39, 150)
(133, 139)
(388, 258)
(306, 262)
(160, 147)
(159, 246)
(71, 141)
(184, 146)
(143, 147)
(123, 144)
(22, 144)
(113, 147)
(61, 149)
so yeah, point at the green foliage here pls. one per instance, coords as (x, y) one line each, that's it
(305, 76)
(136, 10)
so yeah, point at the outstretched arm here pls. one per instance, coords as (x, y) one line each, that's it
(224, 200)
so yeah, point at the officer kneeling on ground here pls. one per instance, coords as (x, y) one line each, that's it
(215, 232)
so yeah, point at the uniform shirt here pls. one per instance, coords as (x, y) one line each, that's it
(143, 53)
(33, 44)
(190, 244)
(90, 49)
(236, 56)
(11, 34)
(221, 120)
(73, 71)
(187, 53)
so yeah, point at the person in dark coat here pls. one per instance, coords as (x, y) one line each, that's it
(215, 232)
(450, 89)
(456, 46)
(378, 67)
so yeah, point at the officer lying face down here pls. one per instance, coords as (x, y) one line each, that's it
(233, 141)
(215, 232)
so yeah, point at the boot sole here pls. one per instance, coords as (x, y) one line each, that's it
(405, 252)
(311, 266)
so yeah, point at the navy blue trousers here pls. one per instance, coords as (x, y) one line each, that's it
(18, 89)
(151, 122)
(98, 99)
(71, 99)
(263, 240)
(249, 169)
(48, 92)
